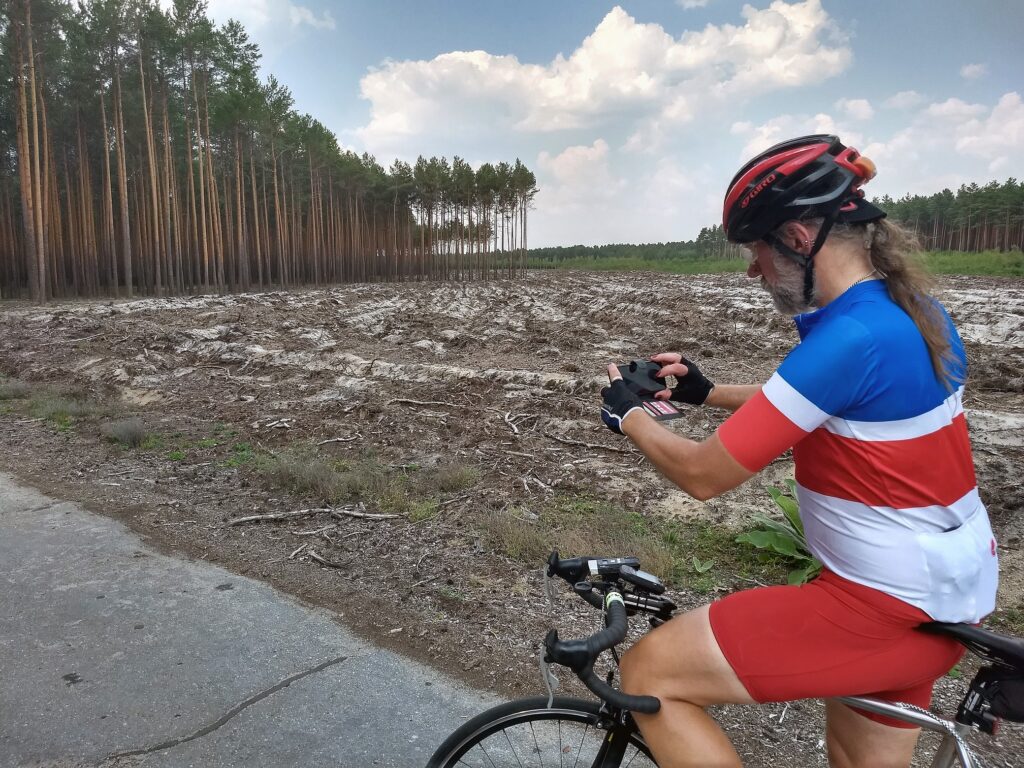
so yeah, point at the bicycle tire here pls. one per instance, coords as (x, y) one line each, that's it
(464, 747)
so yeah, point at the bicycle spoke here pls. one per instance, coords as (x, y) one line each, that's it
(481, 746)
(579, 750)
(537, 746)
(512, 748)
(559, 743)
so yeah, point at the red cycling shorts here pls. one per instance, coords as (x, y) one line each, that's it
(830, 637)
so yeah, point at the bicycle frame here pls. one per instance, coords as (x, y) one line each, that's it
(950, 748)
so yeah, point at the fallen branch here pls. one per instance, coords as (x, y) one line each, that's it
(330, 527)
(421, 402)
(329, 563)
(511, 422)
(293, 554)
(338, 513)
(279, 516)
(69, 341)
(338, 440)
(519, 453)
(567, 441)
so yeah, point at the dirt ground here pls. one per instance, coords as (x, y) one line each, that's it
(496, 380)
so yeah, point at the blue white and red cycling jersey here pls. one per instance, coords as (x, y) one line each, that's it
(884, 473)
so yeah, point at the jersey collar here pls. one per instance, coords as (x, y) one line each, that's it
(806, 322)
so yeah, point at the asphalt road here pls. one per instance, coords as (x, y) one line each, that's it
(114, 655)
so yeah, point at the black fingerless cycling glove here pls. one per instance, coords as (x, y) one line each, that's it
(694, 387)
(619, 402)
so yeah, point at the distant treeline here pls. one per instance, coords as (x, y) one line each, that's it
(141, 153)
(974, 218)
(971, 220)
(710, 244)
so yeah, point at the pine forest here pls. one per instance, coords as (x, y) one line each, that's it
(143, 155)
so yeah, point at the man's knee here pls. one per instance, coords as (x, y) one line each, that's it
(654, 667)
(633, 671)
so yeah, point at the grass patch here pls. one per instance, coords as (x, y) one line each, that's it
(424, 510)
(59, 409)
(408, 490)
(241, 454)
(699, 556)
(13, 389)
(454, 478)
(128, 432)
(176, 455)
(989, 263)
(577, 525)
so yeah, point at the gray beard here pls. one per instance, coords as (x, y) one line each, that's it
(788, 292)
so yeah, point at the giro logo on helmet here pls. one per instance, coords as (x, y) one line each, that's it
(758, 189)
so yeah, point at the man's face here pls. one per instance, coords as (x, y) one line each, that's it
(780, 276)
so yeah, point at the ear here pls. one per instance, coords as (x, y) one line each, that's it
(797, 236)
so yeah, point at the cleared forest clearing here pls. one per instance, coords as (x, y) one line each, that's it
(413, 450)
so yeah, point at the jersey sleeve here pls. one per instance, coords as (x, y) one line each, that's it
(822, 377)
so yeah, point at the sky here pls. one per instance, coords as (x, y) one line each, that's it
(635, 115)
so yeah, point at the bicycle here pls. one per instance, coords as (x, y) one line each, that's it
(576, 732)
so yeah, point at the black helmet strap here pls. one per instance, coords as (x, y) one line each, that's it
(805, 261)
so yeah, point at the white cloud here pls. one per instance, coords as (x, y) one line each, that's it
(998, 136)
(950, 138)
(858, 109)
(579, 166)
(783, 127)
(301, 15)
(577, 182)
(689, 4)
(905, 100)
(954, 110)
(623, 70)
(973, 71)
(265, 20)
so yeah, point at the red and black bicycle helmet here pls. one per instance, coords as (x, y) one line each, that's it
(812, 177)
(808, 177)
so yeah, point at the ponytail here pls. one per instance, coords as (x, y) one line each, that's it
(894, 253)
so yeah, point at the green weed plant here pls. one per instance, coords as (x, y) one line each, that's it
(785, 537)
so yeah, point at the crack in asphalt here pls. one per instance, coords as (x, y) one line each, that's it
(230, 713)
(43, 508)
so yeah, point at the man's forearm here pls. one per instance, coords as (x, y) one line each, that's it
(672, 454)
(731, 396)
(702, 469)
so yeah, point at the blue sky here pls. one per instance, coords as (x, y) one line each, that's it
(635, 115)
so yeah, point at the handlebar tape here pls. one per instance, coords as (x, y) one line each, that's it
(579, 656)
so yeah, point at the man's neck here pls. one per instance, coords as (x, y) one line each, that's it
(838, 270)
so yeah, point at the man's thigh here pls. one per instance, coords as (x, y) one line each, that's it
(681, 660)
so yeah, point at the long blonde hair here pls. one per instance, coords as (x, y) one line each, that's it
(895, 254)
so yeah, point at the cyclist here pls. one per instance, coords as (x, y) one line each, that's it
(870, 401)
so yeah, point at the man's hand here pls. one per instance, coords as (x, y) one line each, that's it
(619, 401)
(692, 386)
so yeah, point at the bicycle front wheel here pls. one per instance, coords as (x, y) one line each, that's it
(571, 734)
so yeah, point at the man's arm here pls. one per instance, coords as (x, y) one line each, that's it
(702, 469)
(731, 396)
